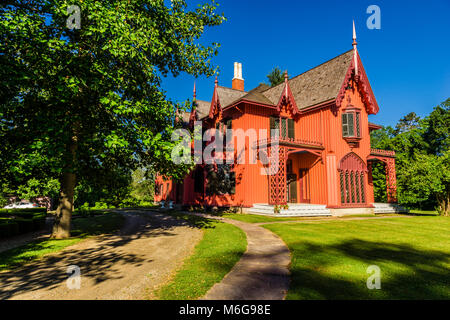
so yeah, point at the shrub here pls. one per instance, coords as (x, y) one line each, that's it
(101, 205)
(8, 228)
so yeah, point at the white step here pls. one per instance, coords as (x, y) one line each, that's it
(295, 209)
(388, 208)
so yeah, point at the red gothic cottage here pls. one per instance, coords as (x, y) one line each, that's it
(324, 144)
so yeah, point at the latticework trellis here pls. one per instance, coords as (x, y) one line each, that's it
(277, 180)
(391, 181)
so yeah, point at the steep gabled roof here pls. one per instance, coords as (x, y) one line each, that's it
(255, 95)
(228, 95)
(202, 108)
(316, 85)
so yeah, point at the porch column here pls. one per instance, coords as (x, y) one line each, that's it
(391, 181)
(277, 181)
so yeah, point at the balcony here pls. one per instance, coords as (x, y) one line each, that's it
(382, 153)
(289, 142)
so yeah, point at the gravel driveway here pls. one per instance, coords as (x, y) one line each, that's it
(129, 265)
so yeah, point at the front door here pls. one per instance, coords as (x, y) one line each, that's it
(304, 186)
(179, 195)
(292, 187)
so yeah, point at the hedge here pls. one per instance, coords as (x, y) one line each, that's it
(19, 221)
(12, 212)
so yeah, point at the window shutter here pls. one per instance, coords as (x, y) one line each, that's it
(283, 128)
(358, 127)
(344, 125)
(291, 129)
(351, 124)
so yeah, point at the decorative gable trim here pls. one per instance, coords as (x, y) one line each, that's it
(363, 84)
(287, 98)
(215, 102)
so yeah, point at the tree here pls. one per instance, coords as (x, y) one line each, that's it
(275, 77)
(90, 99)
(143, 184)
(438, 129)
(422, 159)
(408, 122)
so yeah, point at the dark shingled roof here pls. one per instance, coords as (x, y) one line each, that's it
(256, 95)
(316, 85)
(228, 95)
(185, 117)
(202, 108)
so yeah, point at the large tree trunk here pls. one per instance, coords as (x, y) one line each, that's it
(61, 225)
(444, 205)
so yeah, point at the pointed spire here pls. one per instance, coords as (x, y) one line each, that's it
(355, 50)
(195, 92)
(285, 80)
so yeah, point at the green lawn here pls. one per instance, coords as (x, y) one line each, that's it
(214, 256)
(254, 218)
(81, 228)
(330, 258)
(424, 212)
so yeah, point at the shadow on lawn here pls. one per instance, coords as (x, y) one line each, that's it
(98, 260)
(406, 272)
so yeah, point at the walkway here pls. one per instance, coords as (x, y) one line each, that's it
(262, 273)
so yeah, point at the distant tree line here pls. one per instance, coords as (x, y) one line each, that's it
(422, 159)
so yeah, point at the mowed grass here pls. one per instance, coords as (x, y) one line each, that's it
(81, 228)
(330, 258)
(254, 218)
(221, 247)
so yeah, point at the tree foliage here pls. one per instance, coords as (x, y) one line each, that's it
(75, 102)
(422, 159)
(275, 77)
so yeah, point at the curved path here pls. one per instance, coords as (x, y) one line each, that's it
(128, 265)
(262, 273)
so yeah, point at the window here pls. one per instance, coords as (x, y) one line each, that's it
(351, 124)
(221, 181)
(287, 127)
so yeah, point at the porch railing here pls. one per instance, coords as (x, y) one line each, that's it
(290, 142)
(383, 153)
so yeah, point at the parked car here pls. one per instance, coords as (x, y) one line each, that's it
(21, 205)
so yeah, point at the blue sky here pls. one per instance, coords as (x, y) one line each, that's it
(407, 60)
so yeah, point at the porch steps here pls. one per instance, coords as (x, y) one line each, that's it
(295, 210)
(388, 208)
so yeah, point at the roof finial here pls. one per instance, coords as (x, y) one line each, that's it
(285, 75)
(216, 81)
(355, 51)
(195, 92)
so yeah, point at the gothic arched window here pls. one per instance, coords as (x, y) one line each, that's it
(352, 171)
